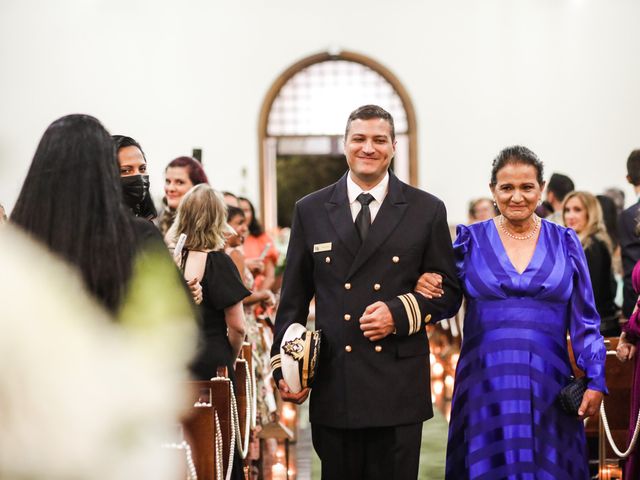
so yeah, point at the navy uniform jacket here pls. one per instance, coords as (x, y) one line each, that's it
(630, 251)
(361, 383)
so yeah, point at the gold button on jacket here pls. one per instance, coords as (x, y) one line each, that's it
(395, 259)
(347, 286)
(378, 348)
(347, 317)
(376, 286)
(347, 348)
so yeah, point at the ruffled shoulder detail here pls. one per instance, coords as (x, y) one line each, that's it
(461, 248)
(461, 243)
(573, 245)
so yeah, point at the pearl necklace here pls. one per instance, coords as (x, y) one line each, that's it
(536, 224)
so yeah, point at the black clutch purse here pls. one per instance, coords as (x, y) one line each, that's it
(570, 397)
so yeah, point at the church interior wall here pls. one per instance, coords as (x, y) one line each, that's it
(560, 76)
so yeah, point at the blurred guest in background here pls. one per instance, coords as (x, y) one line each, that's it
(134, 177)
(481, 209)
(582, 213)
(557, 188)
(180, 175)
(3, 215)
(234, 248)
(231, 199)
(617, 195)
(628, 236)
(610, 219)
(259, 249)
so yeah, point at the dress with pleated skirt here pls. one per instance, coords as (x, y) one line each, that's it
(506, 422)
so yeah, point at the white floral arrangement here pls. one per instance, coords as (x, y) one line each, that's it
(81, 396)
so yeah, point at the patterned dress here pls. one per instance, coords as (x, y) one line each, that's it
(506, 422)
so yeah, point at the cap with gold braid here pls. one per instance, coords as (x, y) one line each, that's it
(299, 355)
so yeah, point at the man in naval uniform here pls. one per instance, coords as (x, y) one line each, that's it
(359, 246)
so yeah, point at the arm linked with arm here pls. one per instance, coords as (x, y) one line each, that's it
(411, 311)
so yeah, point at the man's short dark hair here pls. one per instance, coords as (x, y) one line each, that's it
(633, 167)
(560, 185)
(367, 112)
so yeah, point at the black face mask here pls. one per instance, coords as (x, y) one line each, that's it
(135, 189)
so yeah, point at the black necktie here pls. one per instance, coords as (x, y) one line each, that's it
(363, 219)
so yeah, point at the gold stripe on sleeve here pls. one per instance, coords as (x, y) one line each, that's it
(416, 307)
(410, 313)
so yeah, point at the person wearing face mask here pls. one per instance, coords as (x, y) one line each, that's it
(133, 177)
(135, 190)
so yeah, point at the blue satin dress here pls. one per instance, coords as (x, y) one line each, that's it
(505, 421)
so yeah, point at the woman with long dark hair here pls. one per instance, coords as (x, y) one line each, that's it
(71, 201)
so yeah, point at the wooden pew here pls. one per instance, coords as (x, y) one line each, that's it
(243, 401)
(202, 432)
(200, 426)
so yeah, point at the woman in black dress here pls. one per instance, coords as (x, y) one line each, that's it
(202, 218)
(582, 212)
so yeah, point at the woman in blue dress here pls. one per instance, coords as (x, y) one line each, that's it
(526, 283)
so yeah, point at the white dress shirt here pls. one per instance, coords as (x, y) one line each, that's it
(378, 192)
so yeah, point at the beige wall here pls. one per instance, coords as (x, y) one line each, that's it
(560, 76)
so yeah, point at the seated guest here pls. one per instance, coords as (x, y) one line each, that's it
(481, 209)
(582, 213)
(134, 178)
(180, 175)
(557, 188)
(259, 248)
(71, 201)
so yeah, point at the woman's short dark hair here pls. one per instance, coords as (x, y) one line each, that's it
(122, 141)
(194, 169)
(71, 200)
(233, 212)
(517, 154)
(255, 229)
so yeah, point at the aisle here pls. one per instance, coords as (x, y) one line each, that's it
(432, 455)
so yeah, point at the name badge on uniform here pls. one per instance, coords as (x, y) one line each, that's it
(322, 247)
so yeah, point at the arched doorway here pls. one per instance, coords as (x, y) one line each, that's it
(302, 120)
